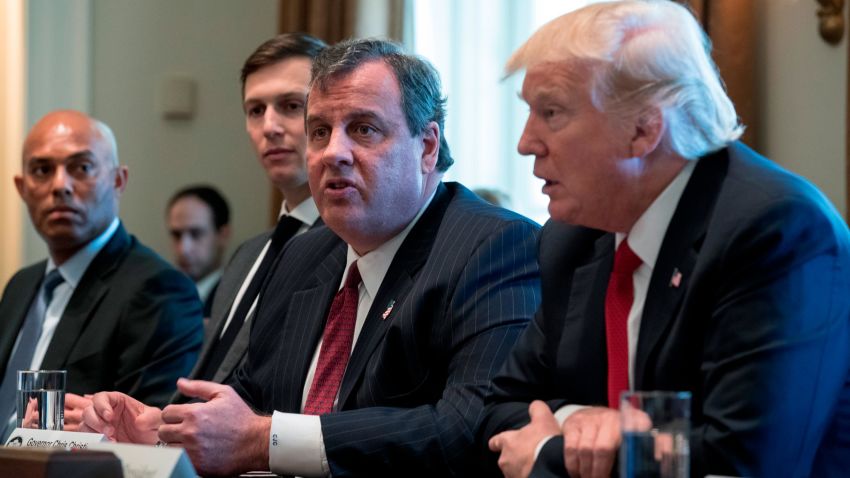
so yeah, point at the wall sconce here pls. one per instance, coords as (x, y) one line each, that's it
(831, 15)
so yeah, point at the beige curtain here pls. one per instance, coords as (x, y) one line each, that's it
(12, 94)
(731, 26)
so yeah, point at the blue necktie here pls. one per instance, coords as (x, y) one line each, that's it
(27, 340)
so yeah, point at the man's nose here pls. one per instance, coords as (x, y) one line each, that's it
(338, 150)
(61, 184)
(272, 125)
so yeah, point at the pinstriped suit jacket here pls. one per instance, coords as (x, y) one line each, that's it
(464, 284)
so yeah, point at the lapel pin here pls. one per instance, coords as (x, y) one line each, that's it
(676, 280)
(388, 311)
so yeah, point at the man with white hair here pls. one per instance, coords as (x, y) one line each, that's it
(102, 306)
(677, 259)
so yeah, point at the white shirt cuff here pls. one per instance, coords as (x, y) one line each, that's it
(564, 412)
(296, 446)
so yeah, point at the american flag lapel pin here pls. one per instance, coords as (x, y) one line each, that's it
(676, 280)
(388, 311)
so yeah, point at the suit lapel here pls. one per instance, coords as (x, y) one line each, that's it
(306, 317)
(677, 257)
(19, 298)
(586, 319)
(87, 295)
(397, 283)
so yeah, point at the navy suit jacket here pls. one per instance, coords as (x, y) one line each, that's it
(133, 323)
(758, 329)
(462, 286)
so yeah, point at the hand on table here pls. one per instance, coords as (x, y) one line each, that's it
(222, 436)
(121, 418)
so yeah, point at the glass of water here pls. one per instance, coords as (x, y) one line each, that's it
(41, 399)
(655, 428)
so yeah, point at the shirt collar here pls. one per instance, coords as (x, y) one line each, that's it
(207, 282)
(306, 212)
(73, 269)
(374, 265)
(649, 230)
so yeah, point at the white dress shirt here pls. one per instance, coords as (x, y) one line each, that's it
(72, 271)
(308, 214)
(296, 445)
(207, 284)
(645, 240)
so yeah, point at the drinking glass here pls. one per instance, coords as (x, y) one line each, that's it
(655, 428)
(41, 399)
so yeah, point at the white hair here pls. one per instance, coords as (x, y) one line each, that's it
(643, 53)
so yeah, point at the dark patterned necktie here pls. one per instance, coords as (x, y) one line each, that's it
(336, 346)
(286, 228)
(618, 304)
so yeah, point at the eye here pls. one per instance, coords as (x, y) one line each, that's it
(40, 170)
(319, 133)
(256, 111)
(364, 129)
(293, 106)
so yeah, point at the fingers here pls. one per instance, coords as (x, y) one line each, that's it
(102, 405)
(497, 442)
(591, 441)
(73, 401)
(200, 388)
(605, 449)
(539, 411)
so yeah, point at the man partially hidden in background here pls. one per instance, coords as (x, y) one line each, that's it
(198, 222)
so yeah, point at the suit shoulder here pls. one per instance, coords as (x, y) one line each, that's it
(466, 207)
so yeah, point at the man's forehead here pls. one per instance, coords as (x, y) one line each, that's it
(370, 87)
(288, 76)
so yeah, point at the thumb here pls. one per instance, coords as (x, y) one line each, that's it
(200, 388)
(538, 410)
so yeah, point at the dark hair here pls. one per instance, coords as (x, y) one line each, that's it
(421, 92)
(279, 48)
(211, 197)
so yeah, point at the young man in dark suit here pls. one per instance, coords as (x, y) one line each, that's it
(730, 277)
(275, 78)
(372, 349)
(103, 306)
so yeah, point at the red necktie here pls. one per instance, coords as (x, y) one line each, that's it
(618, 303)
(336, 346)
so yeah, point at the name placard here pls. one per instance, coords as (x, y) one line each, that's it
(145, 461)
(32, 438)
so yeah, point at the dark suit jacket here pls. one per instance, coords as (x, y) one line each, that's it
(133, 323)
(231, 281)
(758, 330)
(462, 286)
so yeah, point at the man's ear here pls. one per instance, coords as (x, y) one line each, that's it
(121, 173)
(649, 129)
(19, 185)
(431, 147)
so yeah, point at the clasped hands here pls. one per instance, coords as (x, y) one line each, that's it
(591, 440)
(221, 435)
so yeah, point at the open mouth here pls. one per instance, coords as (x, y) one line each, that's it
(338, 184)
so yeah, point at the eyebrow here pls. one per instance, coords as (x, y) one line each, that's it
(356, 114)
(84, 154)
(288, 95)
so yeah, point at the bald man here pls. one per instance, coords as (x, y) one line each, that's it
(102, 306)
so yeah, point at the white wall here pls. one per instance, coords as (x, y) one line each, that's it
(133, 45)
(803, 88)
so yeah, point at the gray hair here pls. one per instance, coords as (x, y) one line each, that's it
(421, 91)
(643, 53)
